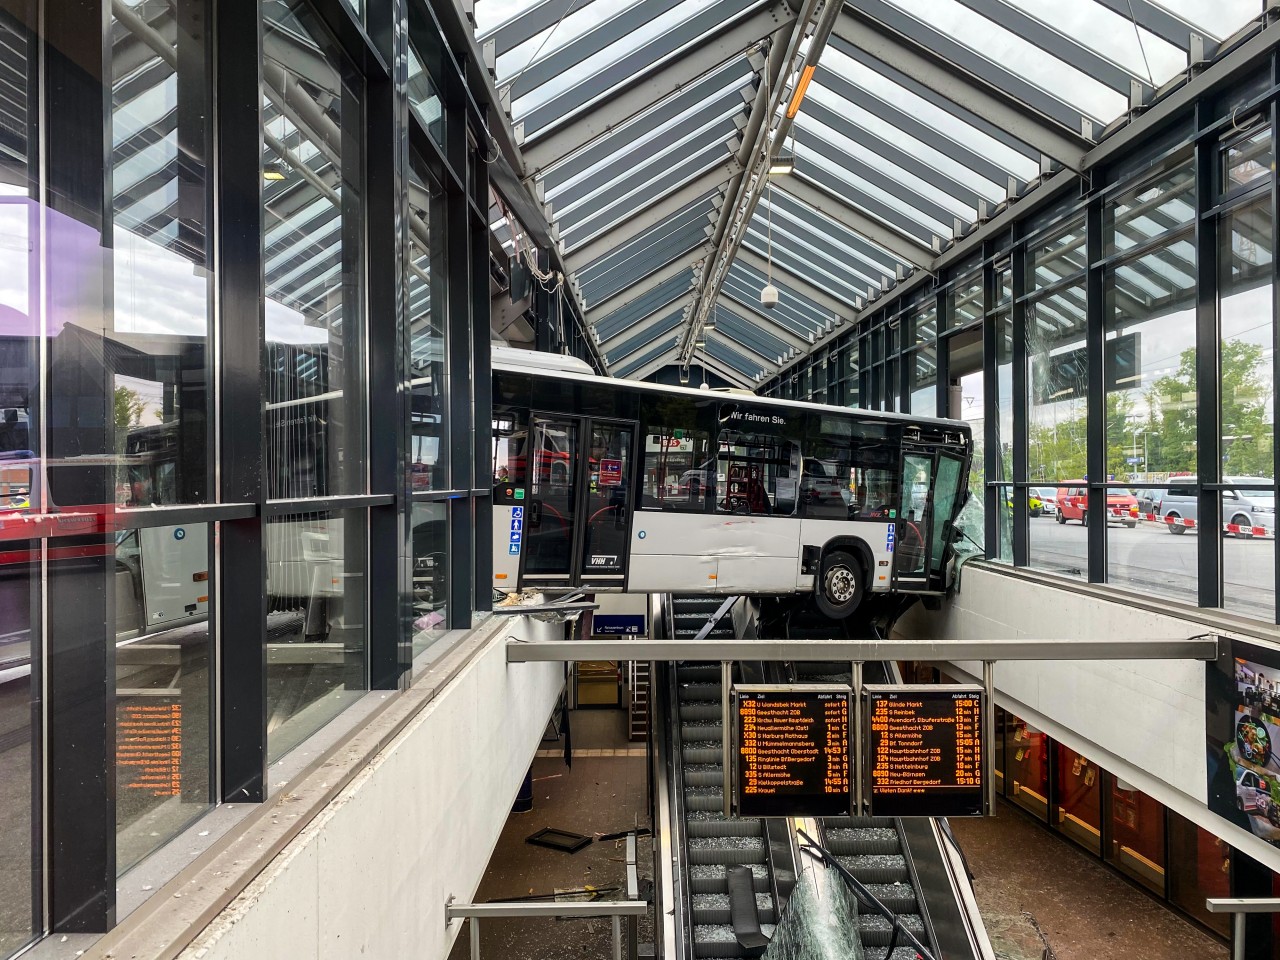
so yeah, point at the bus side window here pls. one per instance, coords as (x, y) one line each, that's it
(761, 474)
(679, 472)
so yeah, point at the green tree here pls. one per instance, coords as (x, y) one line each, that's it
(1245, 395)
(129, 407)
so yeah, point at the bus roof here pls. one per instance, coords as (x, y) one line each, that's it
(500, 363)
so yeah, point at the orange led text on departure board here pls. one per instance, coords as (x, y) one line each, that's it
(793, 753)
(149, 748)
(925, 751)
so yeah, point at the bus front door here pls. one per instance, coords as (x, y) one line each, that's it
(606, 523)
(912, 527)
(578, 519)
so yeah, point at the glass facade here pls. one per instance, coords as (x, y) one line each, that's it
(207, 551)
(1115, 352)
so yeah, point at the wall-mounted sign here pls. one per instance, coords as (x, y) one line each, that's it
(1242, 698)
(793, 750)
(610, 473)
(924, 751)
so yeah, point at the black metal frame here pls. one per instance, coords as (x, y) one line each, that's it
(221, 197)
(1199, 131)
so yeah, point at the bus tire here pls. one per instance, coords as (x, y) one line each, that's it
(840, 588)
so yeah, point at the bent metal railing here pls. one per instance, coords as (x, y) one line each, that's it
(617, 909)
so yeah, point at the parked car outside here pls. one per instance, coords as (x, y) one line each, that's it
(1048, 498)
(1073, 504)
(1251, 791)
(1244, 508)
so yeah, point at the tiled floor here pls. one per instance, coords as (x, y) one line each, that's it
(1036, 890)
(604, 792)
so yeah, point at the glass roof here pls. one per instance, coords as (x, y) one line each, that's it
(923, 115)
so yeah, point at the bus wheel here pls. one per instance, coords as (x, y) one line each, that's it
(840, 588)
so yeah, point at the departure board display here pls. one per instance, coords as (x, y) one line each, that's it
(793, 750)
(924, 751)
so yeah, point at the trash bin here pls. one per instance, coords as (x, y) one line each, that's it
(524, 798)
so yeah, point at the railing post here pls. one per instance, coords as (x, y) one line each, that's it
(617, 937)
(475, 938)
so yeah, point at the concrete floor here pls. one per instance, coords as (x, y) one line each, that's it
(1036, 890)
(600, 794)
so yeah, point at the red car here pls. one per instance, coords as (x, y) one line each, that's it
(1073, 504)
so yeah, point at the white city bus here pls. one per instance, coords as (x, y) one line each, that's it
(613, 485)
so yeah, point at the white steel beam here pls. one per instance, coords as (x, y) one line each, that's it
(544, 147)
(642, 285)
(843, 651)
(904, 247)
(868, 36)
(823, 298)
(649, 215)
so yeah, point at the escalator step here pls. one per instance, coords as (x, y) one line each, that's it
(851, 822)
(710, 878)
(702, 751)
(699, 693)
(698, 673)
(717, 940)
(713, 908)
(706, 823)
(877, 931)
(899, 953)
(704, 798)
(898, 897)
(877, 869)
(699, 711)
(726, 850)
(700, 730)
(863, 841)
(712, 775)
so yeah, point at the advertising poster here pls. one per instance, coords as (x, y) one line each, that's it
(1244, 739)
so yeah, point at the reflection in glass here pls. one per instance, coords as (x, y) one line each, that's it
(315, 622)
(424, 98)
(1247, 160)
(1077, 797)
(163, 716)
(425, 279)
(1150, 353)
(314, 318)
(20, 608)
(1199, 868)
(924, 382)
(1144, 213)
(967, 302)
(1057, 257)
(1247, 389)
(1026, 776)
(430, 573)
(1057, 403)
(1135, 824)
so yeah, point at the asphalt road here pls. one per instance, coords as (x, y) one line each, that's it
(1150, 559)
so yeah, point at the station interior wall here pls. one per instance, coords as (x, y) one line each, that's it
(441, 790)
(1142, 719)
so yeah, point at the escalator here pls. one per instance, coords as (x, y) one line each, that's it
(904, 864)
(715, 848)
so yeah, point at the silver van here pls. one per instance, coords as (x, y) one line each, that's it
(1245, 508)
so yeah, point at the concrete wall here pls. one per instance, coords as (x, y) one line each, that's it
(1143, 720)
(369, 877)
